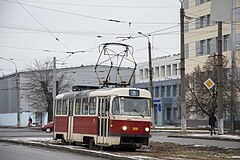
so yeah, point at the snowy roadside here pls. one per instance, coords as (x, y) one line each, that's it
(155, 151)
(50, 143)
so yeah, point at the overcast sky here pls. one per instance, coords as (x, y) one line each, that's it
(29, 29)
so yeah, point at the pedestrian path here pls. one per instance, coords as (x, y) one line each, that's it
(198, 134)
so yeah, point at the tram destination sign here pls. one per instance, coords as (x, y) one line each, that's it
(134, 92)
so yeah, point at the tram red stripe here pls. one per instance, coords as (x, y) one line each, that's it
(134, 127)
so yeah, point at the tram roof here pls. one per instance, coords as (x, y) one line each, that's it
(101, 92)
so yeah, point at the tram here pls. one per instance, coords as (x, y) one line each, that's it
(104, 117)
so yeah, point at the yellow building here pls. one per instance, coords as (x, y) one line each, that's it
(201, 33)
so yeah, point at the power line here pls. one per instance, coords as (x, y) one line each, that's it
(105, 6)
(87, 16)
(42, 25)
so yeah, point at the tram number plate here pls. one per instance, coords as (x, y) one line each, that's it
(135, 128)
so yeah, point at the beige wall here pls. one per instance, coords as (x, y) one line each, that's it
(194, 35)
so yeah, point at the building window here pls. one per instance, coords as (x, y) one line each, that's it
(208, 20)
(156, 91)
(174, 90)
(169, 70)
(141, 74)
(175, 113)
(168, 91)
(202, 21)
(209, 46)
(198, 2)
(202, 47)
(156, 72)
(168, 113)
(174, 69)
(146, 73)
(162, 91)
(226, 42)
(162, 71)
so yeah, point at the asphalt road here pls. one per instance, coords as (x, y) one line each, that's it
(18, 152)
(158, 137)
(23, 132)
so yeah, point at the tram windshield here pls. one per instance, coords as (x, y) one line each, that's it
(131, 106)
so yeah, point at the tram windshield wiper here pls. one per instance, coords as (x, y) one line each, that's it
(137, 112)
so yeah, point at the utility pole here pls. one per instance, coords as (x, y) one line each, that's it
(18, 98)
(182, 69)
(54, 85)
(219, 81)
(150, 77)
(233, 48)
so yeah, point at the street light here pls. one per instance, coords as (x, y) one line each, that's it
(150, 75)
(232, 119)
(17, 90)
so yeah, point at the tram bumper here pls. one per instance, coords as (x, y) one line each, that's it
(134, 140)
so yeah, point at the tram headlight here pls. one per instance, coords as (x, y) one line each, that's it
(124, 128)
(147, 129)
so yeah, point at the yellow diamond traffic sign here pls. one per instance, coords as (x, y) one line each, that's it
(209, 83)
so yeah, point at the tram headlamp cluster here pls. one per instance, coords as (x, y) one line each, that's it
(147, 129)
(124, 128)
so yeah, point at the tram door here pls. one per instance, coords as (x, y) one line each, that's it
(70, 120)
(103, 119)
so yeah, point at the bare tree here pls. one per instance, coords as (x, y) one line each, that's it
(202, 101)
(39, 87)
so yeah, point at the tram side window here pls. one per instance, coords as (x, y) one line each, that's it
(92, 107)
(58, 108)
(115, 108)
(64, 107)
(85, 106)
(78, 107)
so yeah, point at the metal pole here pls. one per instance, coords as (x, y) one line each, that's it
(219, 81)
(233, 33)
(54, 85)
(151, 81)
(18, 99)
(183, 101)
(150, 77)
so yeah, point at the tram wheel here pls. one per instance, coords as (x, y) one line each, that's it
(63, 141)
(91, 144)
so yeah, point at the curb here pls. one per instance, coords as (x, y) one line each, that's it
(94, 153)
(207, 138)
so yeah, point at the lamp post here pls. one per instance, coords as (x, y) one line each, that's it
(17, 91)
(150, 76)
(233, 70)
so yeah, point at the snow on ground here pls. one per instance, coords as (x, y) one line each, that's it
(43, 141)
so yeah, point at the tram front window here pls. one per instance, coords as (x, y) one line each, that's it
(131, 106)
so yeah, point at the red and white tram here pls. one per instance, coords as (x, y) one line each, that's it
(104, 117)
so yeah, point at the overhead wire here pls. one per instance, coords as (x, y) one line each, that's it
(102, 6)
(42, 25)
(91, 17)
